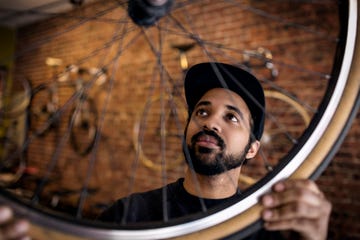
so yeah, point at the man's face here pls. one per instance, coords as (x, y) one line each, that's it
(218, 133)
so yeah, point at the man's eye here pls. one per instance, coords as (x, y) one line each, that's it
(201, 112)
(232, 118)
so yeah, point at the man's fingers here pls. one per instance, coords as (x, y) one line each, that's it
(297, 184)
(15, 230)
(275, 199)
(295, 210)
(11, 227)
(293, 191)
(6, 214)
(302, 226)
(297, 205)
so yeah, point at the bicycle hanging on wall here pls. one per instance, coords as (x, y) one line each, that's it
(45, 110)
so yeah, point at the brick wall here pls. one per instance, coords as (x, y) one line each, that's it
(133, 79)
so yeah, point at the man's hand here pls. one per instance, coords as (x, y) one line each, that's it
(297, 205)
(11, 228)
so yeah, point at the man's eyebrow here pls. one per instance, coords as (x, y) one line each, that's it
(202, 103)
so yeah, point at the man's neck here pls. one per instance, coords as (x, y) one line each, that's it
(213, 187)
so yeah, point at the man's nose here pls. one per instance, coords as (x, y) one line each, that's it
(212, 123)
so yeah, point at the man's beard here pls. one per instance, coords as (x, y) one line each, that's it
(208, 162)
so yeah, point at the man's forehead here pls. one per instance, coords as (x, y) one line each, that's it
(224, 96)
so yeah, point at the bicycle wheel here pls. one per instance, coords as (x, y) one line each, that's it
(279, 137)
(175, 115)
(335, 99)
(83, 126)
(12, 163)
(41, 111)
(14, 102)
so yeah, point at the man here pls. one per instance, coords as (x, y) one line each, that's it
(226, 120)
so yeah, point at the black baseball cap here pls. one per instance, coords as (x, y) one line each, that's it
(203, 77)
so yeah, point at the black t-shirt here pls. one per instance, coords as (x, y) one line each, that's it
(149, 207)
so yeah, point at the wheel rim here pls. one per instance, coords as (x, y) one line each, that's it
(287, 171)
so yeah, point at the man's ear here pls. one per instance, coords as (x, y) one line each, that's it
(254, 148)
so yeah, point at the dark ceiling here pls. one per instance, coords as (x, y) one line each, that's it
(17, 13)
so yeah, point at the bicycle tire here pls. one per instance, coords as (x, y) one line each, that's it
(41, 119)
(181, 112)
(317, 157)
(14, 102)
(12, 162)
(83, 131)
(274, 131)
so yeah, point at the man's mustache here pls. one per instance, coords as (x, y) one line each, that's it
(219, 140)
